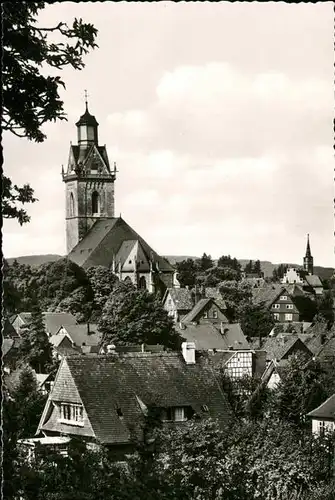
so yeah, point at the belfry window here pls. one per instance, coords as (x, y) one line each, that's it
(71, 205)
(95, 203)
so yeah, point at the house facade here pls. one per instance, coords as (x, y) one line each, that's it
(284, 309)
(129, 386)
(323, 417)
(178, 302)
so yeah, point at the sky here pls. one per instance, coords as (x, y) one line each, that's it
(220, 119)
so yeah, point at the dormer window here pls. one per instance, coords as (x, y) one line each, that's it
(71, 414)
(176, 414)
(283, 297)
(215, 314)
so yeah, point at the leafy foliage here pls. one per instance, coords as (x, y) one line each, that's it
(133, 316)
(305, 384)
(187, 272)
(229, 262)
(60, 285)
(102, 281)
(256, 319)
(215, 275)
(12, 195)
(279, 271)
(235, 293)
(325, 308)
(29, 97)
(35, 348)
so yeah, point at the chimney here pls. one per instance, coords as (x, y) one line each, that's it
(223, 328)
(188, 351)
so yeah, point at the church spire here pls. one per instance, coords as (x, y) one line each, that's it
(308, 259)
(86, 102)
(87, 126)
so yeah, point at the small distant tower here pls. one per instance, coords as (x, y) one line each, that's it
(308, 259)
(89, 182)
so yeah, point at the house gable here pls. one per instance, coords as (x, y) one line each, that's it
(205, 310)
(64, 391)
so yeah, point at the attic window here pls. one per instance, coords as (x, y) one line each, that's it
(283, 297)
(129, 262)
(215, 314)
(206, 315)
(204, 408)
(175, 414)
(71, 414)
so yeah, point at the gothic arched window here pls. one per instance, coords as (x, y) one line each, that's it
(71, 206)
(95, 203)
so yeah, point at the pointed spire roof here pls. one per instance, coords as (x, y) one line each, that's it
(87, 118)
(308, 248)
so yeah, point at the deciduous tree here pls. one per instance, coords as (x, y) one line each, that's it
(35, 348)
(30, 98)
(133, 316)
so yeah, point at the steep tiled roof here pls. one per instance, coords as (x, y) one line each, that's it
(313, 280)
(80, 154)
(214, 293)
(52, 320)
(199, 306)
(182, 298)
(103, 241)
(80, 336)
(326, 410)
(327, 351)
(7, 345)
(266, 294)
(278, 347)
(130, 381)
(7, 328)
(207, 336)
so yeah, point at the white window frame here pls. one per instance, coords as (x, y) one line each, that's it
(215, 314)
(276, 316)
(283, 297)
(175, 414)
(288, 317)
(276, 306)
(289, 306)
(206, 314)
(71, 414)
(179, 414)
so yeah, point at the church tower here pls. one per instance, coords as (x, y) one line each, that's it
(89, 182)
(308, 259)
